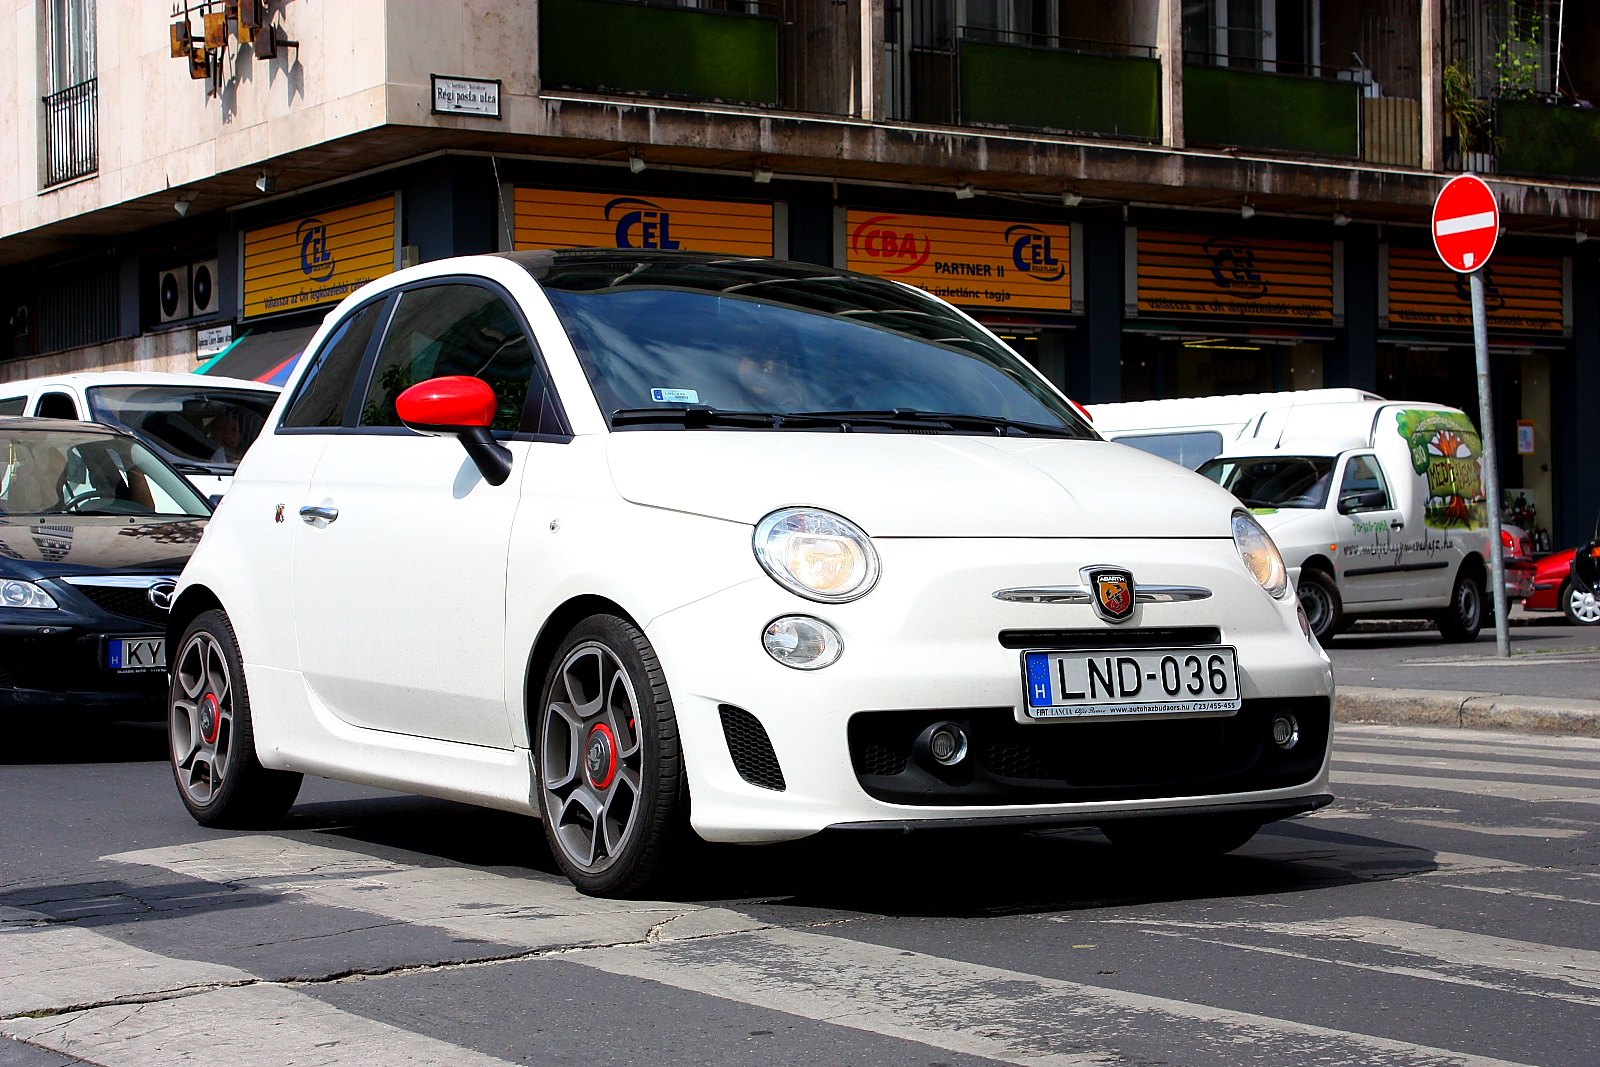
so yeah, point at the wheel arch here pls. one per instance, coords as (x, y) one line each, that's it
(551, 634)
(1473, 563)
(193, 601)
(1320, 563)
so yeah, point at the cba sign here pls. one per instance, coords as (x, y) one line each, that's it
(316, 260)
(653, 225)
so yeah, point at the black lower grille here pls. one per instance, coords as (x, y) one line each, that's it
(1027, 763)
(751, 748)
(129, 603)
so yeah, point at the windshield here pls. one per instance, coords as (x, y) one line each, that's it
(1275, 482)
(699, 342)
(63, 473)
(197, 428)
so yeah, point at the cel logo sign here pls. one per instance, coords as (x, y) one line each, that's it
(649, 225)
(316, 259)
(1031, 252)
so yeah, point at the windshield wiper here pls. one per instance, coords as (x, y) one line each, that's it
(694, 417)
(951, 420)
(201, 468)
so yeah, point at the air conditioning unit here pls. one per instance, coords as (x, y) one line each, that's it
(172, 294)
(203, 288)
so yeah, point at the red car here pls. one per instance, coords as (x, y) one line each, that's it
(1554, 590)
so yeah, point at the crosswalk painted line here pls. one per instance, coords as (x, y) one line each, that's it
(253, 1026)
(1344, 747)
(985, 1011)
(1467, 766)
(1003, 1015)
(1547, 832)
(1433, 736)
(1476, 787)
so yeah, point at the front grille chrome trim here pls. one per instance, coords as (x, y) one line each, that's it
(120, 581)
(1077, 594)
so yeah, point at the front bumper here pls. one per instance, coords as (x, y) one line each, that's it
(54, 665)
(774, 754)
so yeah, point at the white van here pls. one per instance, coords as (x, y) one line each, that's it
(1378, 504)
(199, 424)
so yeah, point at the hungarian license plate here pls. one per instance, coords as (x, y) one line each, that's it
(1131, 682)
(130, 655)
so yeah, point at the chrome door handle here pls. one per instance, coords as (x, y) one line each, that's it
(1396, 524)
(311, 514)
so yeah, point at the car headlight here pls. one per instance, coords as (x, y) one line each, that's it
(1260, 555)
(817, 554)
(15, 593)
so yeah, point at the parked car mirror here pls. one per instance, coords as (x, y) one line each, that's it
(462, 407)
(1363, 500)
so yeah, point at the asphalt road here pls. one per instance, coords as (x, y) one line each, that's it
(1443, 912)
(1550, 658)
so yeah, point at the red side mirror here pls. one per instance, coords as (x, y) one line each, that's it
(464, 406)
(447, 405)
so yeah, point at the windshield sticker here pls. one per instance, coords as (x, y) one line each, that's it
(675, 396)
(1445, 447)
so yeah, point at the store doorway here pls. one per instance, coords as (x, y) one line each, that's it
(1158, 367)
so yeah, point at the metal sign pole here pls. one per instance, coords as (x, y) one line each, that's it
(1491, 468)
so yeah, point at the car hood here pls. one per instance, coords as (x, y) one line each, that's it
(53, 546)
(922, 485)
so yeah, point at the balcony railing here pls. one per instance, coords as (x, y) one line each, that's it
(1545, 140)
(71, 133)
(1235, 108)
(987, 77)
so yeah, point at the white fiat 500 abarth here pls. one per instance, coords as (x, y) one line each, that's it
(650, 542)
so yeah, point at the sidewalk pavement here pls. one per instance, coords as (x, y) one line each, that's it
(1479, 711)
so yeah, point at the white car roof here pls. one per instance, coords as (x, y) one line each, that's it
(1212, 411)
(87, 379)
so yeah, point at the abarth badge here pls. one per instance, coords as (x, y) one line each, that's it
(277, 516)
(1113, 592)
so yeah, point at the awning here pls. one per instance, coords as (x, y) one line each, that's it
(261, 357)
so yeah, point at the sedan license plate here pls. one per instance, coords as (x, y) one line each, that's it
(131, 655)
(1132, 682)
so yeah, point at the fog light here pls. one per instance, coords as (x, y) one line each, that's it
(801, 642)
(944, 742)
(1285, 731)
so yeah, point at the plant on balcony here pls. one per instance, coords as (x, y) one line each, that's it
(1519, 53)
(1468, 112)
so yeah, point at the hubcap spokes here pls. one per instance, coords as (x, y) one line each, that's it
(591, 759)
(1585, 606)
(202, 718)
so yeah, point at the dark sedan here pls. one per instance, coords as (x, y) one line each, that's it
(94, 529)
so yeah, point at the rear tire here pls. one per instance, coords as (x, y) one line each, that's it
(1324, 608)
(211, 737)
(612, 789)
(1180, 836)
(1581, 608)
(1461, 621)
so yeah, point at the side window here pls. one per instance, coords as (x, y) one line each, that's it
(454, 329)
(13, 405)
(325, 390)
(1363, 488)
(56, 406)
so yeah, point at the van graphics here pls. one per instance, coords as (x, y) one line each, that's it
(1446, 449)
(1383, 553)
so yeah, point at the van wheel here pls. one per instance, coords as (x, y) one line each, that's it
(1178, 837)
(1319, 596)
(1462, 620)
(210, 736)
(1579, 606)
(612, 788)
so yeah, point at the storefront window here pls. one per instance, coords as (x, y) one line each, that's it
(1158, 368)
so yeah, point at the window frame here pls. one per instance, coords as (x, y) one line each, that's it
(380, 333)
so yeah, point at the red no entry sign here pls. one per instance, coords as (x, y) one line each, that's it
(1466, 223)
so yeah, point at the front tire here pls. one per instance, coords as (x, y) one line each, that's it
(1324, 608)
(211, 737)
(612, 789)
(1579, 606)
(1461, 621)
(1180, 836)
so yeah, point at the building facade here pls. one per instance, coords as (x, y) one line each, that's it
(1147, 198)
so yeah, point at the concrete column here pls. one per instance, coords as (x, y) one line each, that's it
(1352, 360)
(1432, 60)
(1094, 350)
(867, 85)
(451, 211)
(1169, 47)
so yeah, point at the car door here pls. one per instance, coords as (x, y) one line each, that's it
(400, 571)
(1371, 533)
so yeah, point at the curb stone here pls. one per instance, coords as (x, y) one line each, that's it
(1471, 710)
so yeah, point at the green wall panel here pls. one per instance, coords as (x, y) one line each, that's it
(604, 46)
(1547, 140)
(1009, 85)
(1253, 109)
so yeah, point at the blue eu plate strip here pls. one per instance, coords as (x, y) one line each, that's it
(1039, 695)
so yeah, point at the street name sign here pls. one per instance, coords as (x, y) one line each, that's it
(1466, 223)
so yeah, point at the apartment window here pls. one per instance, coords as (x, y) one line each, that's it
(71, 106)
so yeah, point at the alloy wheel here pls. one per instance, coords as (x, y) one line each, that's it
(592, 757)
(1583, 606)
(202, 718)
